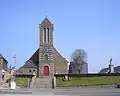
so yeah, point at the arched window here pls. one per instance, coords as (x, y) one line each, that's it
(46, 57)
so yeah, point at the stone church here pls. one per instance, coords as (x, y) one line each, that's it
(46, 61)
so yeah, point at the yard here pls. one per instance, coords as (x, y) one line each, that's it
(22, 82)
(88, 81)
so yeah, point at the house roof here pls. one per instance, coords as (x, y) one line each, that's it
(116, 69)
(1, 56)
(35, 56)
(104, 70)
(32, 61)
(60, 54)
(29, 64)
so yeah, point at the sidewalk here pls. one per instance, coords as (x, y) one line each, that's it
(95, 86)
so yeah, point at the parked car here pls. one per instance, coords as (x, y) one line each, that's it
(117, 86)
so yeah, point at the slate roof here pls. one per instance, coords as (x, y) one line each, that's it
(104, 70)
(116, 70)
(1, 56)
(29, 64)
(60, 54)
(35, 56)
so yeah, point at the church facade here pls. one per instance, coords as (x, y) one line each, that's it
(46, 61)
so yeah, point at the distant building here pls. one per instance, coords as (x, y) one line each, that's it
(4, 71)
(73, 69)
(3, 63)
(110, 68)
(105, 70)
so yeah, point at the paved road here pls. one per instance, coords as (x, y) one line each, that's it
(62, 92)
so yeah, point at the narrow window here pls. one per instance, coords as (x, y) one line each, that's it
(44, 34)
(46, 57)
(29, 70)
(48, 34)
(2, 76)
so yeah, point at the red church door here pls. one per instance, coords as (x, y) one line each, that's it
(46, 71)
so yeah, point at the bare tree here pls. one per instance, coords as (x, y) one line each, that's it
(79, 58)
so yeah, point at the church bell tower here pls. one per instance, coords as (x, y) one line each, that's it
(46, 65)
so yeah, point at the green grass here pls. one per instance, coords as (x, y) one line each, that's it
(21, 81)
(88, 81)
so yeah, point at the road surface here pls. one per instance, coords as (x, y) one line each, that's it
(62, 92)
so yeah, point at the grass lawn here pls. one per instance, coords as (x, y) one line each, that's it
(88, 81)
(23, 82)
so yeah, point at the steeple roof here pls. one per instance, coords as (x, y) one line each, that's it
(46, 21)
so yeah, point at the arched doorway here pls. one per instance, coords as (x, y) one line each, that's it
(46, 71)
